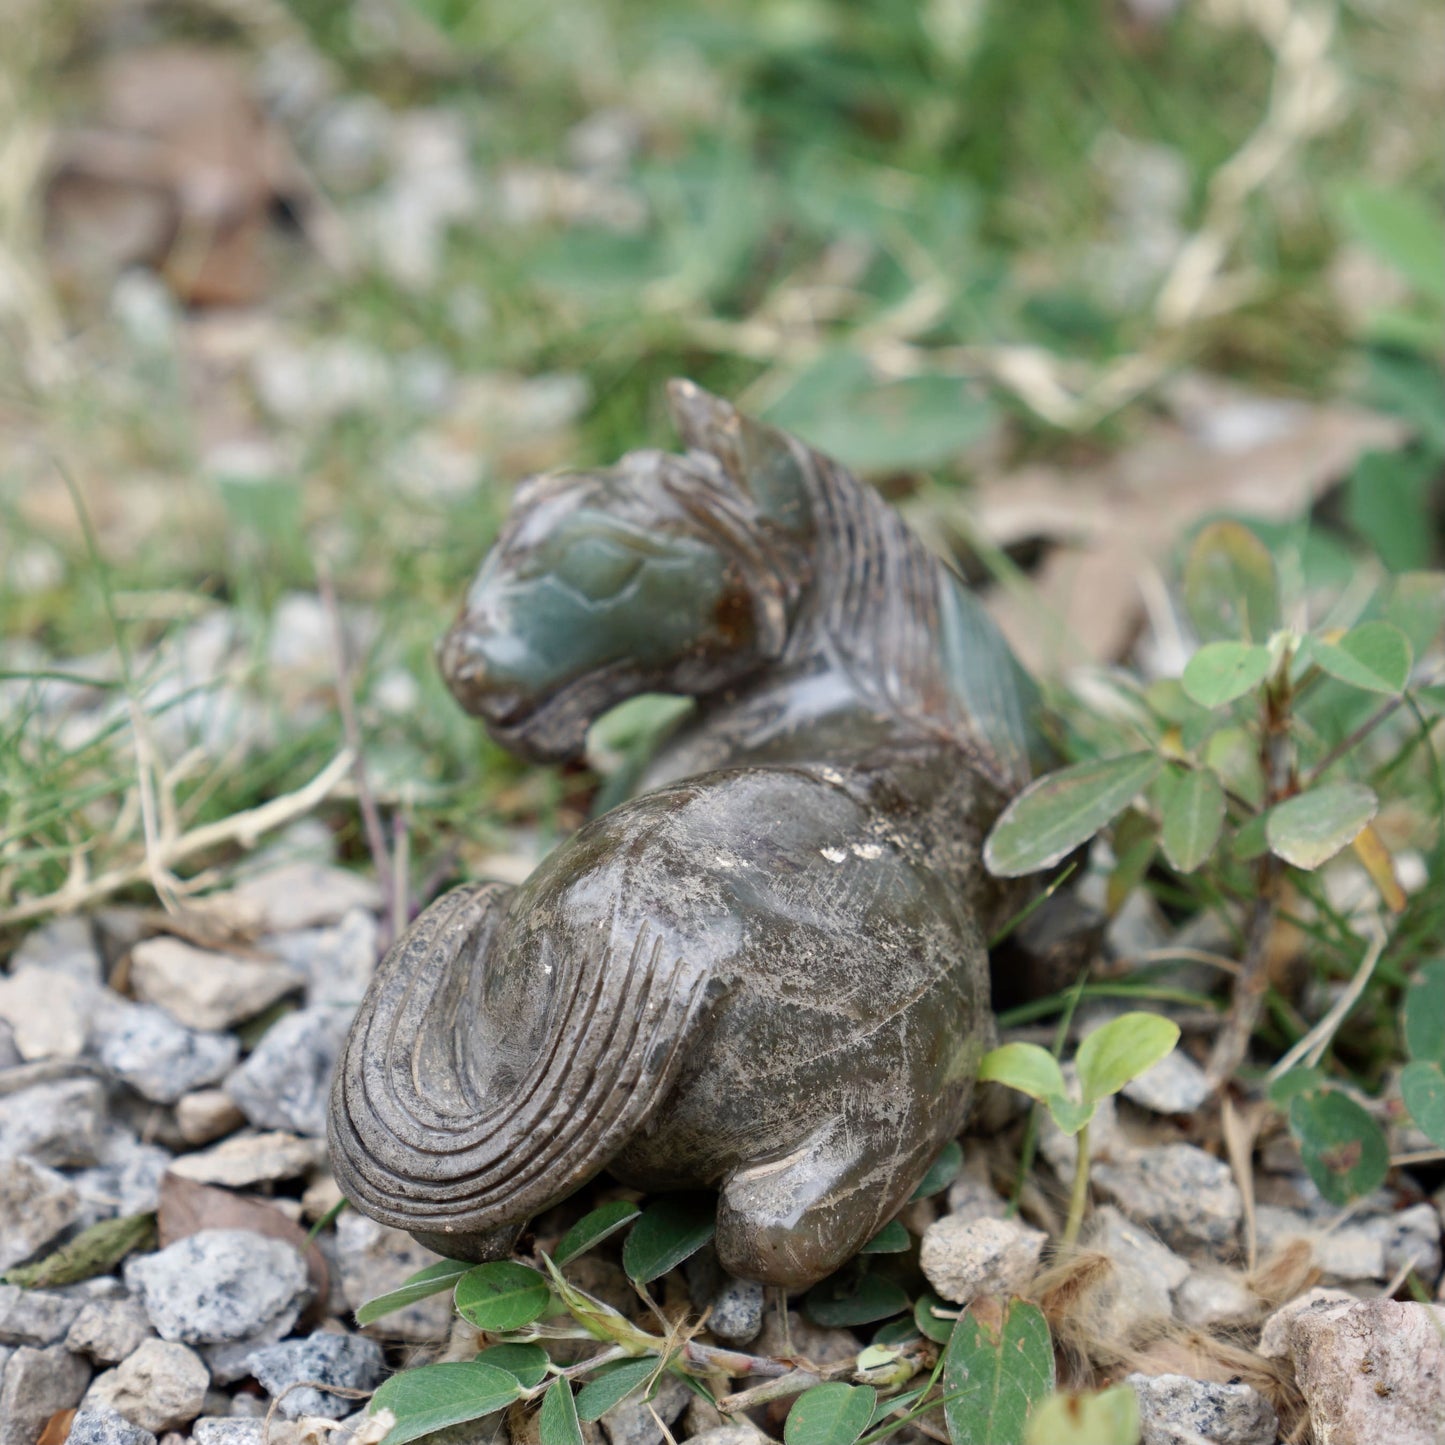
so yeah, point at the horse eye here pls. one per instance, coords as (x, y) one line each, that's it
(598, 568)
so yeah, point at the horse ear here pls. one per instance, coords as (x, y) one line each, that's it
(758, 459)
(707, 423)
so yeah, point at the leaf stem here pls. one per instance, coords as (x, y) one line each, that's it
(1079, 1195)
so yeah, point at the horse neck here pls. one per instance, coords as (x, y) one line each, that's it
(913, 643)
(873, 605)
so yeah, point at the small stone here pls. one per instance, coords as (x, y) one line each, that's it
(372, 1259)
(109, 1329)
(63, 946)
(1188, 1197)
(1208, 1299)
(1409, 1239)
(1274, 1333)
(37, 1384)
(159, 1058)
(816, 1343)
(206, 1115)
(1175, 1085)
(737, 1311)
(1351, 1251)
(219, 1285)
(49, 1013)
(105, 1427)
(973, 1196)
(160, 1386)
(33, 1316)
(1175, 1410)
(127, 1178)
(338, 962)
(36, 1204)
(228, 1431)
(286, 1082)
(963, 1258)
(57, 1124)
(1372, 1371)
(351, 1362)
(307, 895)
(204, 989)
(252, 1159)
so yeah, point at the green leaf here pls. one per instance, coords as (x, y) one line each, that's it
(528, 1363)
(1121, 1050)
(593, 1228)
(668, 1232)
(942, 1172)
(832, 1414)
(93, 1251)
(1417, 608)
(1425, 1013)
(1193, 819)
(1294, 1081)
(930, 1325)
(1222, 671)
(422, 1285)
(1422, 1085)
(1251, 840)
(1105, 1417)
(435, 1396)
(1374, 656)
(998, 1365)
(839, 407)
(1069, 1114)
(612, 1384)
(1231, 591)
(1054, 815)
(1387, 501)
(846, 1299)
(1029, 1068)
(557, 1422)
(502, 1295)
(1342, 1147)
(893, 1238)
(1312, 828)
(1401, 228)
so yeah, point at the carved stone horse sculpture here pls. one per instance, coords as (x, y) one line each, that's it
(766, 972)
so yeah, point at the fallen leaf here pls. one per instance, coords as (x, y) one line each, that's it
(57, 1428)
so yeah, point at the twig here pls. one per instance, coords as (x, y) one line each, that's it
(1249, 987)
(782, 1388)
(241, 828)
(351, 730)
(1312, 1047)
(1354, 739)
(1418, 1156)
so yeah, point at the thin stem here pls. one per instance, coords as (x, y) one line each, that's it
(1079, 1197)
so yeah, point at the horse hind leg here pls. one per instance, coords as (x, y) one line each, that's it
(791, 1220)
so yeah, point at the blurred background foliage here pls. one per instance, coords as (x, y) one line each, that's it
(301, 290)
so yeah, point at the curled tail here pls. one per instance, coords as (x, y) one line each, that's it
(432, 1131)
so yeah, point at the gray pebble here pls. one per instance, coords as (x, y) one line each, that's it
(58, 1124)
(219, 1285)
(38, 1383)
(1175, 1085)
(36, 1204)
(159, 1058)
(286, 1082)
(1187, 1197)
(109, 1329)
(737, 1311)
(105, 1427)
(1175, 1410)
(33, 1316)
(352, 1362)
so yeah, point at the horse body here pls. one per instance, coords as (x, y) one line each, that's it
(765, 972)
